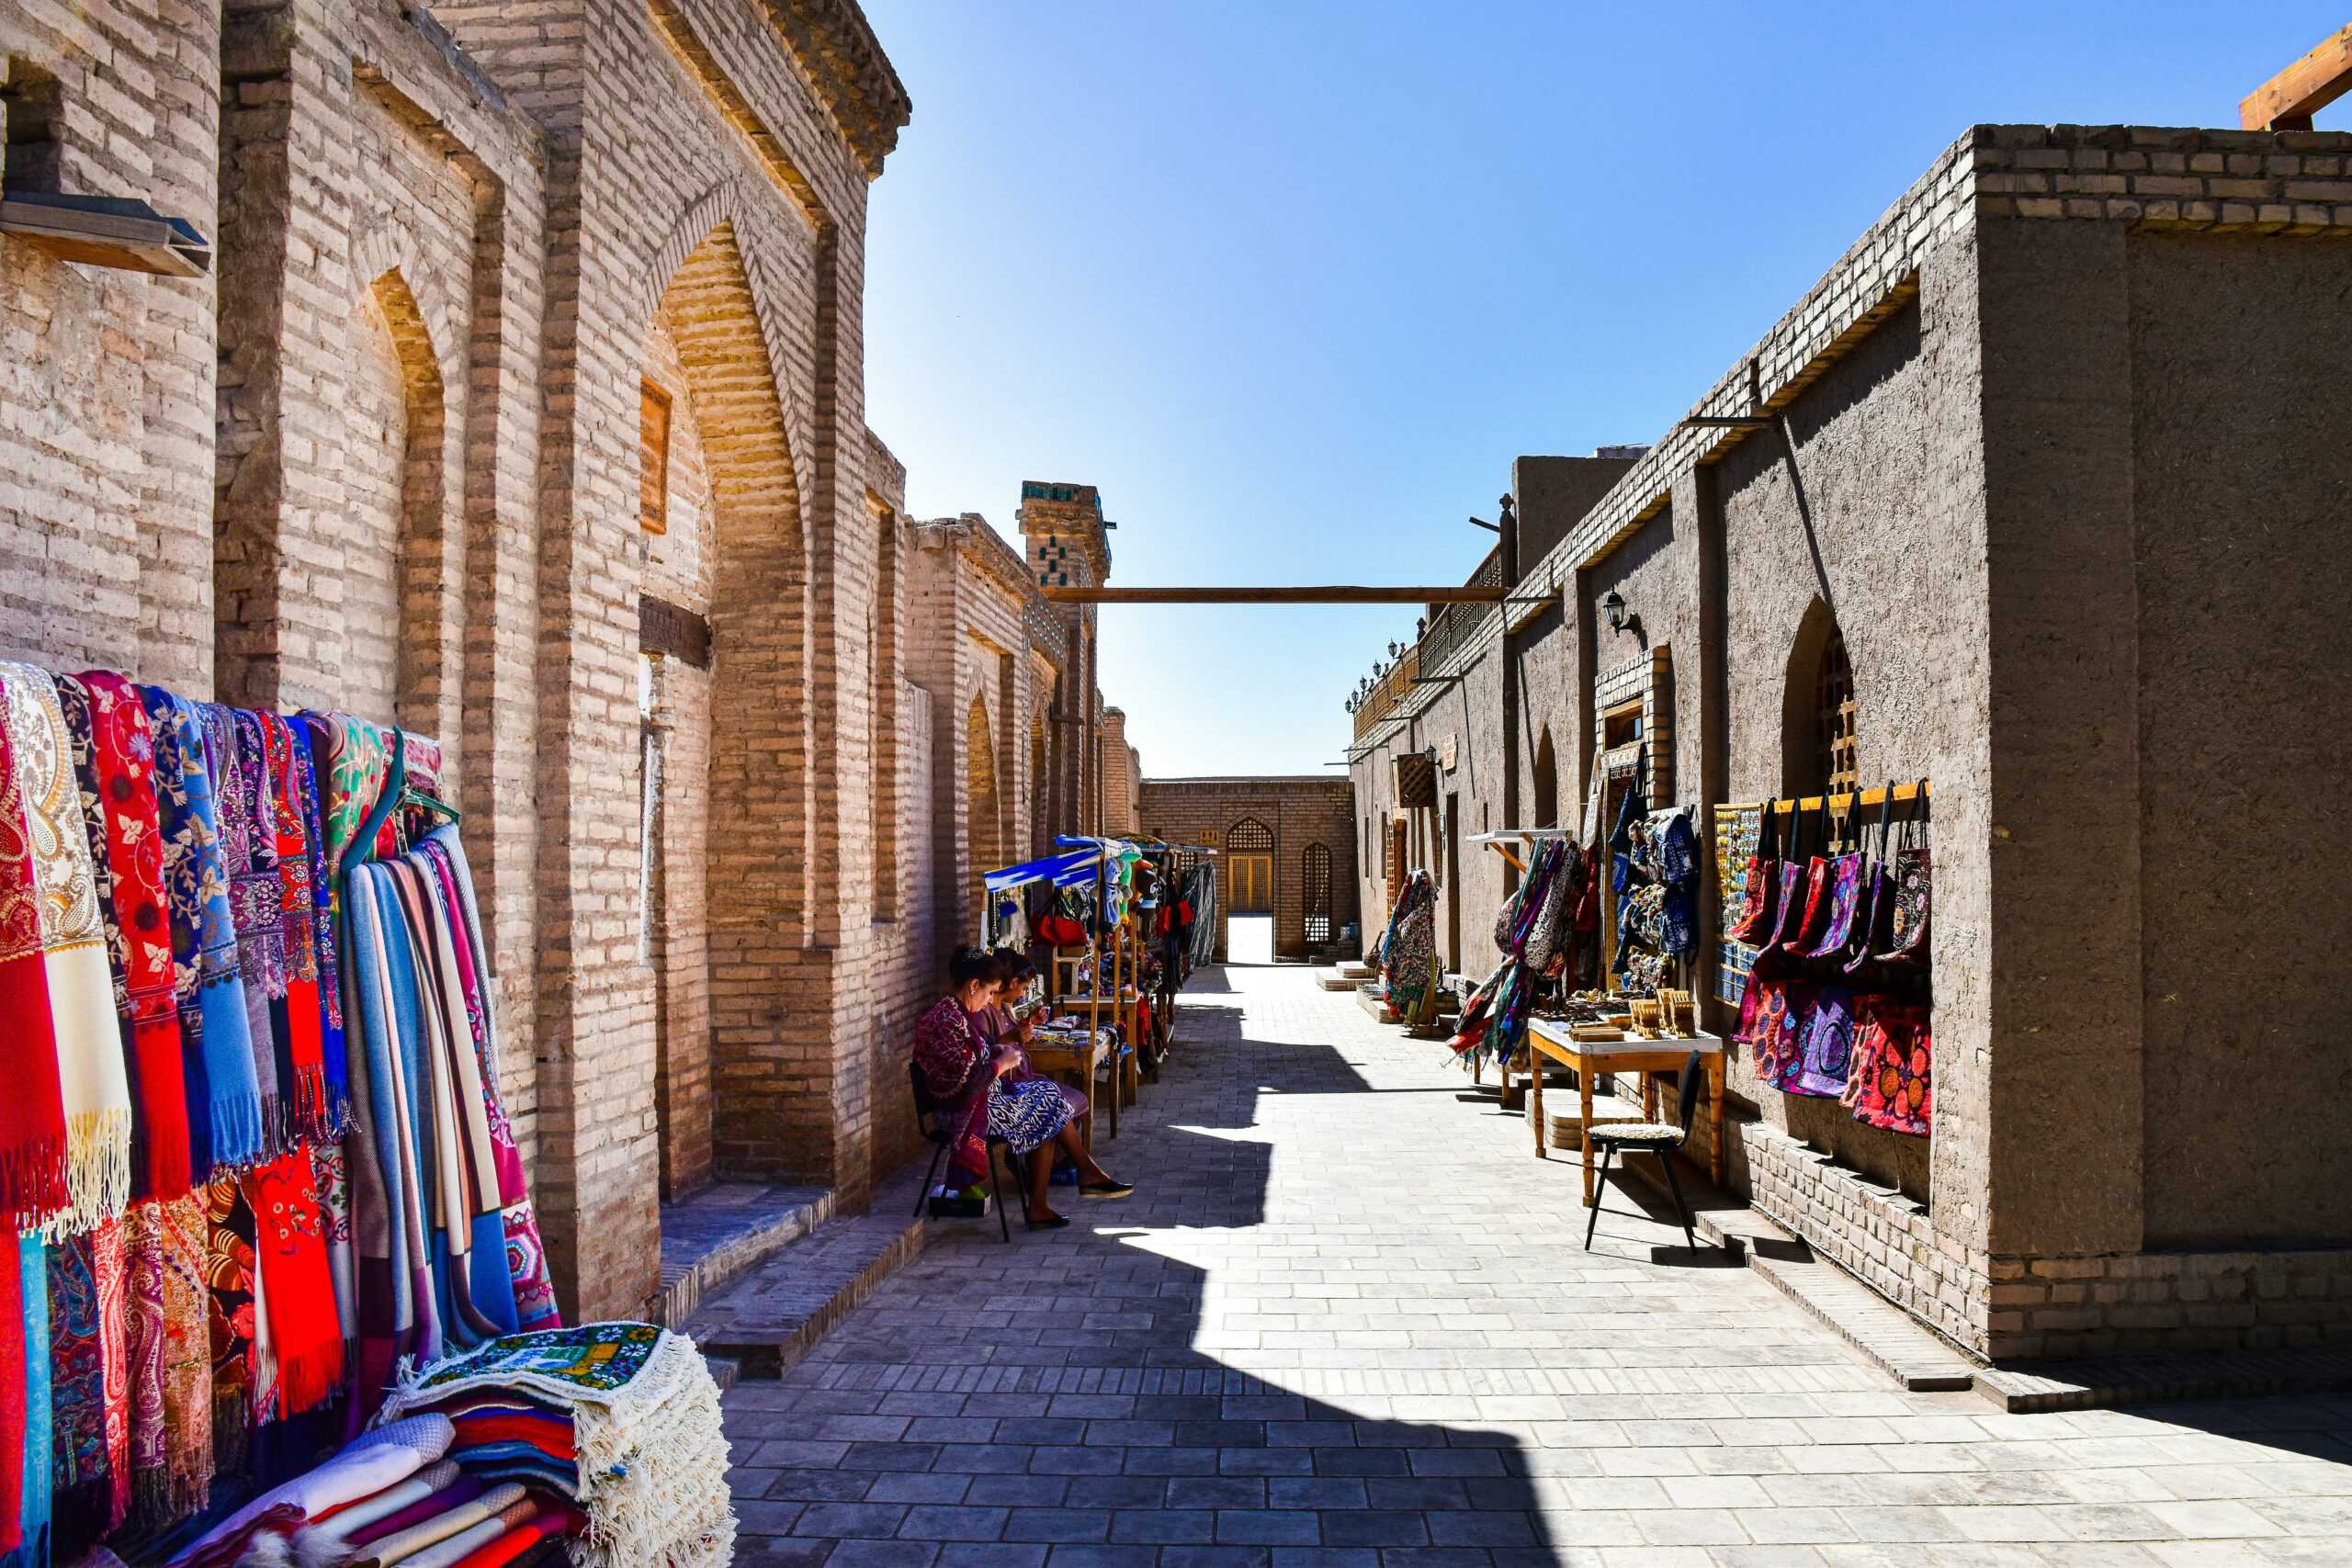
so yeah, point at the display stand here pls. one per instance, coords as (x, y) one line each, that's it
(1548, 1040)
(1523, 1060)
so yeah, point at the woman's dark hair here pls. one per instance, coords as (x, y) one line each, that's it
(967, 965)
(1013, 966)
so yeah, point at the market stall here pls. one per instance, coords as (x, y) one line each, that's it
(252, 1148)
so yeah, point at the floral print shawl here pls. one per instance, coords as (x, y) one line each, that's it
(953, 1058)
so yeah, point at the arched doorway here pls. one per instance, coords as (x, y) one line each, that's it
(980, 797)
(722, 543)
(1249, 892)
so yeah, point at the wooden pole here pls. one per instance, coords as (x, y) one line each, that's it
(1331, 595)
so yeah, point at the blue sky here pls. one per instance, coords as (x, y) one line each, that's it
(1293, 282)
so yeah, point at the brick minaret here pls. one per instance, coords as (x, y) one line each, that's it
(1067, 543)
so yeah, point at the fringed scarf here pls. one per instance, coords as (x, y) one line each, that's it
(12, 1406)
(32, 1113)
(301, 732)
(249, 860)
(231, 1311)
(91, 1081)
(115, 759)
(331, 1182)
(77, 1388)
(33, 1499)
(526, 1268)
(357, 760)
(180, 1229)
(215, 1043)
(283, 812)
(395, 1282)
(305, 1334)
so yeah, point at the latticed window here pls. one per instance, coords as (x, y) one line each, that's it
(1249, 835)
(1314, 886)
(1833, 719)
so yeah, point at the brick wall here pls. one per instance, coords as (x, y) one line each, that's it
(1297, 812)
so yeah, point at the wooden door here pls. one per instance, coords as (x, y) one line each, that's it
(1252, 883)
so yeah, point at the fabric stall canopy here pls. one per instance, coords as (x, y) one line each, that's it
(1057, 869)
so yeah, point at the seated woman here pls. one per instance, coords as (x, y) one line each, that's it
(977, 1095)
(1001, 1026)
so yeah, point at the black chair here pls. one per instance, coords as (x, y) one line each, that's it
(1660, 1138)
(927, 1122)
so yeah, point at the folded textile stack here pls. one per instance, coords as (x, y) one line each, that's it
(623, 1414)
(390, 1499)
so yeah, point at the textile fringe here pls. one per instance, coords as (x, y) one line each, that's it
(311, 1117)
(229, 1417)
(98, 1168)
(311, 1378)
(33, 1187)
(152, 1500)
(236, 1132)
(162, 1161)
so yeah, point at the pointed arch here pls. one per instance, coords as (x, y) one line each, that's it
(1818, 731)
(981, 799)
(753, 730)
(1547, 781)
(400, 568)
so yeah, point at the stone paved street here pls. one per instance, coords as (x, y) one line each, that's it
(1346, 1322)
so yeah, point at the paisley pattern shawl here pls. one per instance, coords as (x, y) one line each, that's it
(250, 862)
(179, 1227)
(32, 1113)
(77, 1377)
(953, 1061)
(224, 1098)
(119, 788)
(300, 1024)
(91, 1080)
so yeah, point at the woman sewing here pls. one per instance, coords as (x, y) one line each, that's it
(980, 1088)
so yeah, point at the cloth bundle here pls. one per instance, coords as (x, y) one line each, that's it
(1532, 930)
(181, 1146)
(647, 1456)
(1409, 950)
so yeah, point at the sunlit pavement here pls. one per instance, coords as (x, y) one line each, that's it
(1346, 1322)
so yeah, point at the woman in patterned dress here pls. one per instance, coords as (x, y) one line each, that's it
(977, 1093)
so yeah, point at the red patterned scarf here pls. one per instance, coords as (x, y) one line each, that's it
(32, 1113)
(124, 758)
(305, 1333)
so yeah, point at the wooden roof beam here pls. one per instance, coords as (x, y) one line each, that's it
(1317, 594)
(2287, 100)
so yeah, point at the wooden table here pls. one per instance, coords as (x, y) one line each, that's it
(1547, 1040)
(1075, 1065)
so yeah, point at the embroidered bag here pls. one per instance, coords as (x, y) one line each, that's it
(1755, 921)
(1774, 1041)
(1892, 1084)
(1851, 874)
(1819, 876)
(1907, 925)
(1825, 1055)
(1877, 904)
(1789, 899)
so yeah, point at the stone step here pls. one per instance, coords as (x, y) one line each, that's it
(1356, 971)
(713, 1235)
(1337, 982)
(2097, 1381)
(1373, 1001)
(767, 1321)
(1903, 1346)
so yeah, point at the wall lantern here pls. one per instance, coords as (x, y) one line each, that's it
(1613, 606)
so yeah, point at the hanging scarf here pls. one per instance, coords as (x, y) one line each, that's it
(230, 1308)
(32, 1113)
(301, 732)
(117, 765)
(33, 1499)
(356, 761)
(77, 1386)
(217, 1055)
(92, 1085)
(249, 859)
(298, 1018)
(305, 1333)
(12, 1406)
(180, 1230)
(385, 988)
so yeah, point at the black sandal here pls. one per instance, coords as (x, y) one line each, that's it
(1107, 1190)
(1050, 1222)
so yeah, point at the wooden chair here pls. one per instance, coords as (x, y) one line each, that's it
(1660, 1138)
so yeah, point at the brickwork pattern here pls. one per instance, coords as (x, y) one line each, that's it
(1296, 811)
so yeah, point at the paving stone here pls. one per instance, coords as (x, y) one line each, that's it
(1348, 1322)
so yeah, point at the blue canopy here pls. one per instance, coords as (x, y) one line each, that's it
(1057, 869)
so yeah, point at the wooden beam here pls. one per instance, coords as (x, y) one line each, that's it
(1273, 596)
(2287, 100)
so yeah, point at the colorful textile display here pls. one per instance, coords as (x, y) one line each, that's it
(1409, 950)
(1891, 1084)
(91, 1081)
(187, 1155)
(1532, 931)
(652, 1458)
(366, 1466)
